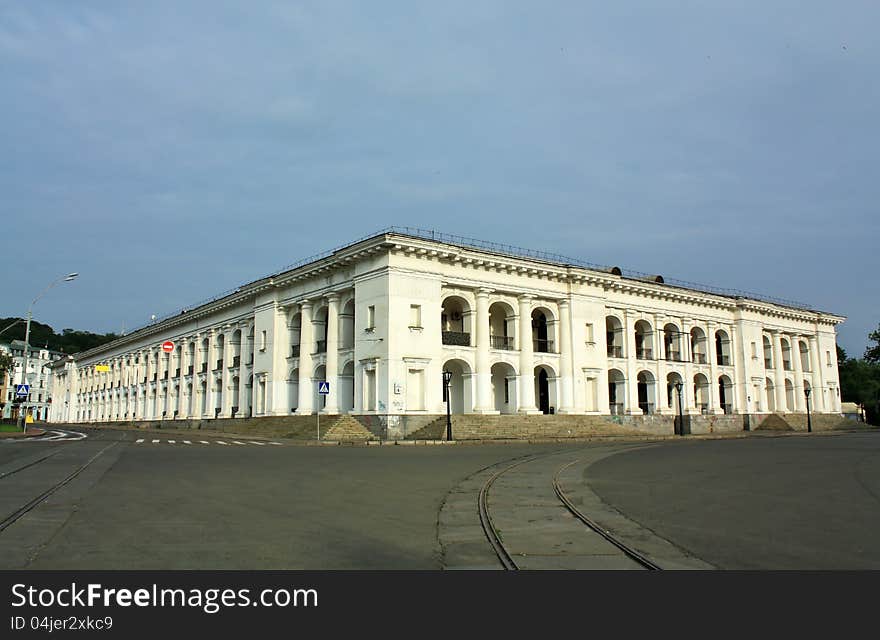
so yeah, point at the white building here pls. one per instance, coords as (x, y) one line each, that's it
(521, 332)
(39, 377)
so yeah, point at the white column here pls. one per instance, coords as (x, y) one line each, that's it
(631, 382)
(738, 391)
(689, 398)
(525, 393)
(817, 399)
(280, 351)
(332, 367)
(799, 399)
(661, 368)
(306, 345)
(566, 358)
(781, 404)
(712, 354)
(484, 401)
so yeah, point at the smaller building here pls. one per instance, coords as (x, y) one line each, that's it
(39, 377)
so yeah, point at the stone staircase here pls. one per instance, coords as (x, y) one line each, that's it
(525, 427)
(347, 429)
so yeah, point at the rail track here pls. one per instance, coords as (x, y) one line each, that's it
(495, 538)
(13, 517)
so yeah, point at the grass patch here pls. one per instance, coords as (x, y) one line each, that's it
(9, 428)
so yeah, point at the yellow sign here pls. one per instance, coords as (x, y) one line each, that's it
(29, 419)
(102, 367)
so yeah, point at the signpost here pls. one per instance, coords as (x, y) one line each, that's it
(22, 391)
(168, 346)
(323, 389)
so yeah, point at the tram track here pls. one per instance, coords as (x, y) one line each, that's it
(23, 510)
(494, 536)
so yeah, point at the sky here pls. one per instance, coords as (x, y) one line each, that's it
(170, 151)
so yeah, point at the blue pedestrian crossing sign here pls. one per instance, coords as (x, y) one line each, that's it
(324, 388)
(22, 390)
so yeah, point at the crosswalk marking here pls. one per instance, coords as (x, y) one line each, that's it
(221, 442)
(237, 442)
(204, 442)
(187, 442)
(172, 442)
(139, 441)
(155, 442)
(259, 443)
(276, 443)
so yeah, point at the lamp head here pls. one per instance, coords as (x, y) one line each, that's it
(807, 392)
(447, 376)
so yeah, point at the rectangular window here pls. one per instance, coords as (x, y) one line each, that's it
(506, 391)
(371, 318)
(262, 340)
(828, 357)
(415, 316)
(589, 329)
(754, 351)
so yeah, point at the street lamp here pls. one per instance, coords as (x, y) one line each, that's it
(678, 387)
(447, 378)
(27, 347)
(807, 391)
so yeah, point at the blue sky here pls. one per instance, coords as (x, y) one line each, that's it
(168, 151)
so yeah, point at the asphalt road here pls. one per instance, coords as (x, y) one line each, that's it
(755, 503)
(760, 502)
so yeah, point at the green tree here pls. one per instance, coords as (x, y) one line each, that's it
(872, 353)
(6, 364)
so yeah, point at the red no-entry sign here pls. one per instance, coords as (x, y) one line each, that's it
(168, 346)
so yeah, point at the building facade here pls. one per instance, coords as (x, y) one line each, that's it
(381, 320)
(40, 379)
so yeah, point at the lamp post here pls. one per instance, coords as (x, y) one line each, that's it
(447, 378)
(807, 391)
(27, 347)
(678, 387)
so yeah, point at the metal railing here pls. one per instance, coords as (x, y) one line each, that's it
(190, 369)
(768, 363)
(321, 346)
(647, 408)
(456, 338)
(219, 364)
(724, 361)
(204, 368)
(728, 408)
(673, 356)
(294, 351)
(543, 346)
(615, 351)
(616, 408)
(704, 409)
(700, 358)
(786, 365)
(644, 354)
(501, 342)
(236, 360)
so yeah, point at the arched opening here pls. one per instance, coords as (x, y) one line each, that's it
(543, 331)
(293, 390)
(698, 346)
(236, 390)
(768, 353)
(504, 387)
(545, 389)
(294, 331)
(672, 403)
(805, 356)
(644, 341)
(725, 394)
(219, 350)
(502, 325)
(249, 396)
(722, 348)
(318, 400)
(178, 359)
(235, 343)
(616, 392)
(218, 396)
(789, 395)
(646, 392)
(460, 391)
(701, 393)
(346, 388)
(455, 322)
(786, 354)
(203, 356)
(672, 342)
(249, 355)
(614, 336)
(346, 329)
(319, 322)
(204, 389)
(771, 395)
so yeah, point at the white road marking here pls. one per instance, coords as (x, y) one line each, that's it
(255, 442)
(155, 442)
(139, 441)
(237, 442)
(187, 442)
(204, 442)
(172, 442)
(221, 442)
(276, 443)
